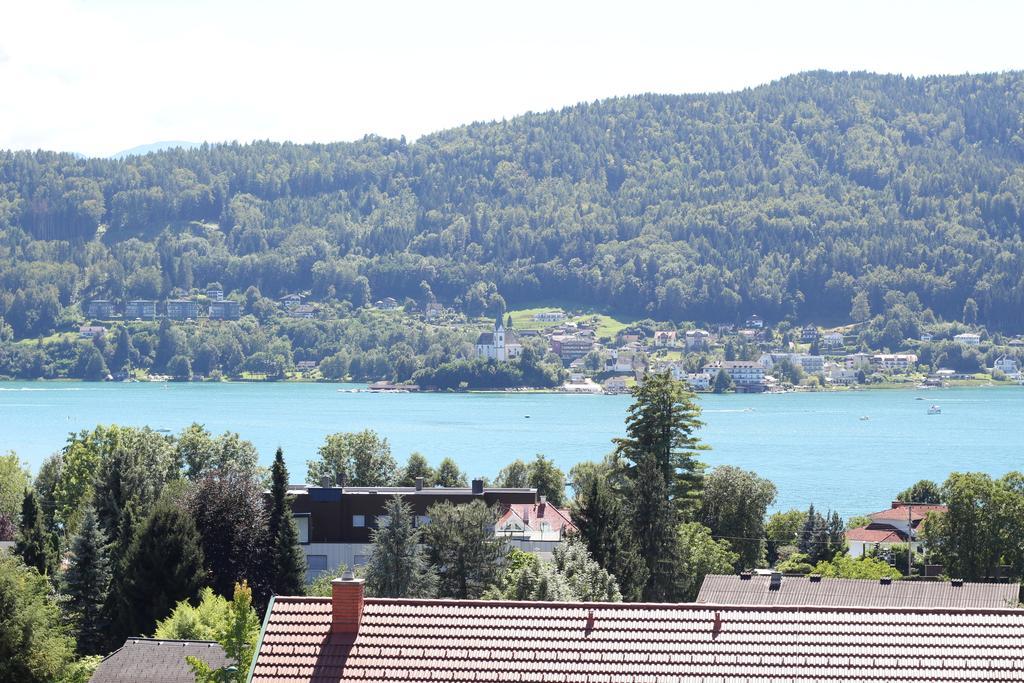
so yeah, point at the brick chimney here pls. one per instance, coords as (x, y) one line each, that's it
(346, 604)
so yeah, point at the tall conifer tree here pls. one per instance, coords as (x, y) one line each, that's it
(287, 560)
(33, 544)
(164, 565)
(87, 585)
(398, 566)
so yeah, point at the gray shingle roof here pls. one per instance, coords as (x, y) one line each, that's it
(802, 590)
(144, 660)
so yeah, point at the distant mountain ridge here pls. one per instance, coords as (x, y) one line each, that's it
(154, 147)
(822, 196)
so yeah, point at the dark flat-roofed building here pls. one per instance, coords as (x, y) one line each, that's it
(225, 309)
(759, 589)
(349, 637)
(336, 522)
(140, 309)
(147, 660)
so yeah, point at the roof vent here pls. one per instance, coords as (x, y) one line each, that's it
(815, 578)
(478, 487)
(776, 582)
(745, 576)
(885, 581)
(419, 483)
(956, 583)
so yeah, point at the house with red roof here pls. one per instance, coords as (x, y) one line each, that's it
(350, 637)
(896, 525)
(539, 523)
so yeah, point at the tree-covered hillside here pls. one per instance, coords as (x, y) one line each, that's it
(786, 200)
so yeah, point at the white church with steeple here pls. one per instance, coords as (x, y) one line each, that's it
(499, 345)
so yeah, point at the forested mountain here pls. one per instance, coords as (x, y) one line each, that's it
(787, 200)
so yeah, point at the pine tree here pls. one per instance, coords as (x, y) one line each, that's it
(398, 566)
(87, 585)
(33, 544)
(163, 566)
(287, 559)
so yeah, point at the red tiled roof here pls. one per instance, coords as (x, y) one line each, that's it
(527, 642)
(899, 513)
(880, 533)
(559, 520)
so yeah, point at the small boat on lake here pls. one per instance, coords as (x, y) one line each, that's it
(864, 418)
(934, 410)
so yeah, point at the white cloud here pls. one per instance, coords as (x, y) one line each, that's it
(103, 75)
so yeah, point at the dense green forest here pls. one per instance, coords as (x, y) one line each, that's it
(811, 198)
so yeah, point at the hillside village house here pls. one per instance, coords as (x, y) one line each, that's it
(698, 381)
(664, 338)
(896, 525)
(100, 309)
(625, 361)
(90, 331)
(225, 309)
(892, 362)
(809, 334)
(140, 309)
(770, 358)
(549, 316)
(433, 310)
(1007, 366)
(748, 376)
(388, 303)
(968, 339)
(811, 365)
(616, 385)
(754, 322)
(697, 340)
(215, 293)
(839, 374)
(569, 347)
(833, 340)
(926, 337)
(352, 637)
(182, 309)
(290, 300)
(858, 361)
(500, 345)
(335, 522)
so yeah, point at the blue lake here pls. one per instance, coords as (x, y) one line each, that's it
(814, 447)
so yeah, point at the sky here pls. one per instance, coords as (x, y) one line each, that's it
(99, 76)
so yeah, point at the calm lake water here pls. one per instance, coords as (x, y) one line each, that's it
(814, 447)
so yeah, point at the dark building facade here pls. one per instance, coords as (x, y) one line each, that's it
(349, 515)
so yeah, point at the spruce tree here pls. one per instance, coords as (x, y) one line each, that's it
(163, 566)
(287, 559)
(398, 566)
(87, 585)
(33, 544)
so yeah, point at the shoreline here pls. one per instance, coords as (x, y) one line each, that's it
(363, 387)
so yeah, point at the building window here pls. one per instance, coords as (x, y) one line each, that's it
(381, 521)
(316, 563)
(302, 524)
(422, 520)
(359, 560)
(358, 521)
